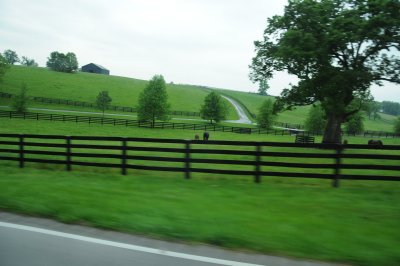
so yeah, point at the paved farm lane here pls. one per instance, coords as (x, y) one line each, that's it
(35, 241)
(243, 118)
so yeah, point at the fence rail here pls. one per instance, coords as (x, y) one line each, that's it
(170, 125)
(189, 156)
(93, 105)
(137, 123)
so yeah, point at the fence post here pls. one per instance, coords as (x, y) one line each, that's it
(257, 176)
(187, 159)
(123, 162)
(338, 162)
(68, 162)
(21, 151)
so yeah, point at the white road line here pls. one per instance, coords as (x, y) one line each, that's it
(126, 246)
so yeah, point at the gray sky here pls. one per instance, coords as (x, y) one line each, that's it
(203, 42)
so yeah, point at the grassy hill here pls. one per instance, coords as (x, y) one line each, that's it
(125, 92)
(299, 115)
(85, 87)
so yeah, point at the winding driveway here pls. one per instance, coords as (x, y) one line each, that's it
(243, 118)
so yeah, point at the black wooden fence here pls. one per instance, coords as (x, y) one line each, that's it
(256, 159)
(170, 125)
(93, 105)
(137, 123)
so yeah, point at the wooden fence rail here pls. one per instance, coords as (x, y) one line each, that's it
(92, 105)
(256, 159)
(170, 125)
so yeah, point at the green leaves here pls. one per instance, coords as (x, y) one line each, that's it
(266, 117)
(62, 62)
(337, 49)
(103, 101)
(153, 100)
(214, 108)
(20, 101)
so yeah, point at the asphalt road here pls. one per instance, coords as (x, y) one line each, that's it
(40, 242)
(243, 118)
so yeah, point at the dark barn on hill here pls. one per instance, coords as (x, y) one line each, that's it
(95, 68)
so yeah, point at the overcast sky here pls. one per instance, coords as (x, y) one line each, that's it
(203, 42)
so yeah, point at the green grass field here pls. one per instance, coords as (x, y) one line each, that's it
(125, 91)
(357, 223)
(299, 114)
(85, 87)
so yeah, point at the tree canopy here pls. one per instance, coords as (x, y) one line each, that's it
(391, 108)
(316, 120)
(4, 66)
(266, 116)
(214, 108)
(20, 101)
(263, 87)
(11, 56)
(153, 101)
(103, 101)
(336, 48)
(62, 62)
(25, 61)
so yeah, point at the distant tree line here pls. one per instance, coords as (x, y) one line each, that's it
(390, 108)
(11, 57)
(56, 61)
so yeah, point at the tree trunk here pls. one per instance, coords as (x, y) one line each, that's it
(333, 131)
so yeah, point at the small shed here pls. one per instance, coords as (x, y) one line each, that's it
(95, 68)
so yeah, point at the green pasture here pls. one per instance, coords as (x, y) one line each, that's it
(304, 218)
(299, 114)
(125, 92)
(81, 86)
(85, 87)
(356, 224)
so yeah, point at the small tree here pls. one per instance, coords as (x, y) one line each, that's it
(214, 108)
(11, 56)
(103, 101)
(153, 101)
(397, 126)
(371, 109)
(266, 116)
(20, 100)
(355, 124)
(4, 66)
(316, 119)
(28, 62)
(263, 87)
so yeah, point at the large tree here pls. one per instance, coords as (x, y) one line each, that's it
(62, 62)
(153, 101)
(336, 48)
(214, 108)
(11, 56)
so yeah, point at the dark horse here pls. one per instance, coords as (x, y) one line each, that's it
(206, 135)
(375, 143)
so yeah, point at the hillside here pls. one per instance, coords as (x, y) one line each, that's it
(298, 116)
(125, 92)
(85, 87)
